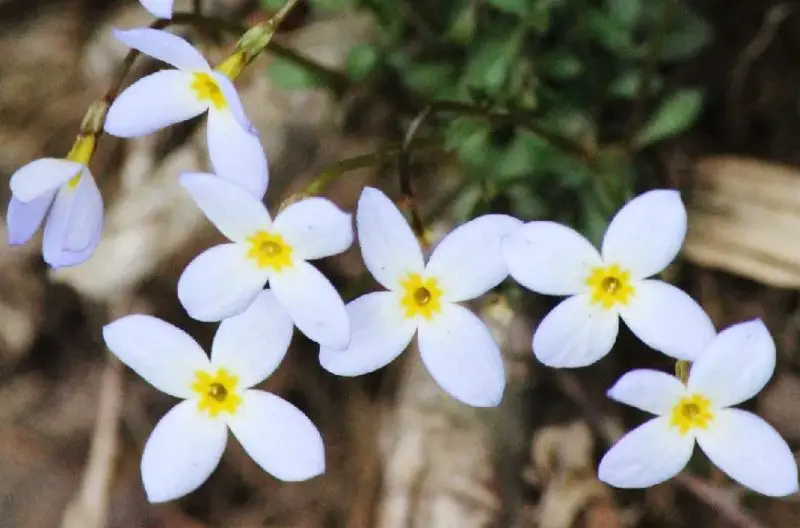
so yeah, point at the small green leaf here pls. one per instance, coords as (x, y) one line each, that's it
(462, 29)
(626, 12)
(361, 61)
(610, 33)
(691, 34)
(289, 76)
(626, 85)
(490, 64)
(675, 115)
(561, 65)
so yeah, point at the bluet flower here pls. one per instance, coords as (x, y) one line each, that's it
(455, 345)
(642, 239)
(187, 443)
(733, 368)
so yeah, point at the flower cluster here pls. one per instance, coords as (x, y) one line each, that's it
(422, 297)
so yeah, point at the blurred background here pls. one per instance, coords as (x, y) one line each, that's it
(544, 109)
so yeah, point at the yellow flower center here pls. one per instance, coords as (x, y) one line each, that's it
(421, 296)
(217, 392)
(208, 90)
(610, 285)
(692, 412)
(269, 250)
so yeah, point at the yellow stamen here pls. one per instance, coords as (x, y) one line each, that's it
(269, 250)
(217, 392)
(610, 285)
(692, 412)
(208, 91)
(421, 296)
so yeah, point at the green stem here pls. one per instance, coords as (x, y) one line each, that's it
(389, 153)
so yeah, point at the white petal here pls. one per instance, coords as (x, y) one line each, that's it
(230, 208)
(61, 221)
(252, 344)
(736, 365)
(315, 228)
(42, 177)
(550, 258)
(667, 319)
(163, 46)
(462, 356)
(576, 333)
(86, 215)
(468, 262)
(751, 452)
(646, 456)
(646, 234)
(380, 334)
(388, 245)
(152, 103)
(236, 153)
(649, 390)
(159, 8)
(219, 283)
(313, 304)
(234, 103)
(23, 219)
(164, 355)
(278, 436)
(181, 453)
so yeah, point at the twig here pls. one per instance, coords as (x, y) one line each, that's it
(518, 119)
(649, 70)
(197, 7)
(773, 18)
(325, 178)
(404, 173)
(89, 507)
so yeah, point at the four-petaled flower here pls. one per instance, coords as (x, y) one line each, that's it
(733, 368)
(455, 345)
(171, 96)
(159, 8)
(223, 280)
(66, 189)
(642, 239)
(187, 443)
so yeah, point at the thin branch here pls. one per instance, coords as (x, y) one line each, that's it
(391, 152)
(404, 173)
(517, 119)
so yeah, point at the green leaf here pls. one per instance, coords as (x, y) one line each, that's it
(361, 61)
(561, 65)
(627, 12)
(462, 29)
(429, 79)
(626, 84)
(690, 34)
(289, 76)
(675, 115)
(491, 63)
(610, 33)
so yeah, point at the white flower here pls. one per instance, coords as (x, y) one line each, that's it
(186, 445)
(171, 96)
(159, 8)
(223, 280)
(65, 192)
(733, 368)
(642, 239)
(455, 345)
